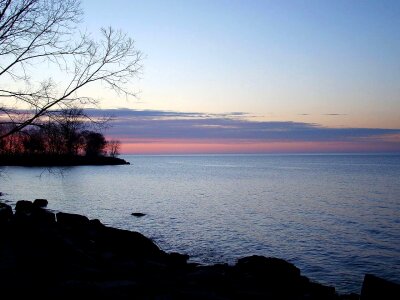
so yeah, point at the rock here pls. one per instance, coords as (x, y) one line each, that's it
(6, 213)
(214, 275)
(351, 296)
(43, 216)
(73, 220)
(23, 207)
(267, 267)
(129, 242)
(78, 257)
(96, 223)
(138, 214)
(40, 202)
(177, 258)
(277, 278)
(375, 288)
(28, 213)
(319, 291)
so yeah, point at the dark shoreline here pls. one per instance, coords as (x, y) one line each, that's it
(67, 255)
(59, 160)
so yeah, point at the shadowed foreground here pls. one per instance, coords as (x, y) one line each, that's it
(68, 255)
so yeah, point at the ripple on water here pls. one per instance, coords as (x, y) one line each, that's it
(335, 217)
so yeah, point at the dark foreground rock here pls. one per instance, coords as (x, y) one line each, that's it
(375, 288)
(40, 202)
(67, 255)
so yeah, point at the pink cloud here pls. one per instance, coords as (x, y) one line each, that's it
(195, 146)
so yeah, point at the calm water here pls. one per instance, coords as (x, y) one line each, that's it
(336, 217)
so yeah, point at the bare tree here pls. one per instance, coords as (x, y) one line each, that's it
(39, 42)
(71, 123)
(113, 147)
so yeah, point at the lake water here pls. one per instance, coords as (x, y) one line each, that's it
(336, 217)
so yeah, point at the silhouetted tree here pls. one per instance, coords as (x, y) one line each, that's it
(37, 33)
(53, 139)
(65, 135)
(34, 141)
(71, 124)
(113, 148)
(95, 143)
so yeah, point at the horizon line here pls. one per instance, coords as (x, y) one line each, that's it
(261, 153)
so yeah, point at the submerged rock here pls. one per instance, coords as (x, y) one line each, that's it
(138, 214)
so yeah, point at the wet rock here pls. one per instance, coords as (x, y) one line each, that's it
(129, 242)
(96, 224)
(177, 258)
(319, 291)
(267, 267)
(40, 203)
(24, 207)
(138, 214)
(6, 213)
(212, 276)
(72, 220)
(43, 216)
(375, 288)
(351, 296)
(78, 257)
(277, 278)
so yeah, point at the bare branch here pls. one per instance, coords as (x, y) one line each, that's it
(38, 33)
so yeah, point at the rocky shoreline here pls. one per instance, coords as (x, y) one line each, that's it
(67, 255)
(40, 160)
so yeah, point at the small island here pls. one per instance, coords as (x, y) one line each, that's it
(67, 140)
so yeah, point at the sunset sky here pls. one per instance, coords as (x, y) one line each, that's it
(257, 76)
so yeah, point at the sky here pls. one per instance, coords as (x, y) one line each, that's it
(257, 76)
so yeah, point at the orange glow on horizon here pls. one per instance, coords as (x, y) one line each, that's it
(192, 146)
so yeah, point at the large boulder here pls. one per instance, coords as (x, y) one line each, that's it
(178, 259)
(277, 278)
(40, 203)
(269, 267)
(129, 243)
(43, 216)
(24, 207)
(5, 213)
(72, 220)
(375, 288)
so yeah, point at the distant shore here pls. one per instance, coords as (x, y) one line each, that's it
(59, 160)
(48, 254)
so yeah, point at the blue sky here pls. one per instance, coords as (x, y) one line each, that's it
(331, 63)
(280, 59)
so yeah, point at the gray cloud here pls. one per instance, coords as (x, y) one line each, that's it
(154, 114)
(159, 124)
(334, 114)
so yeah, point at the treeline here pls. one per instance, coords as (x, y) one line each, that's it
(69, 134)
